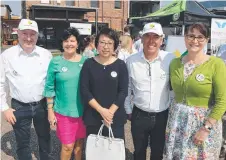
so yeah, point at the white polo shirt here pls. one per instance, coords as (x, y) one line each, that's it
(149, 82)
(23, 73)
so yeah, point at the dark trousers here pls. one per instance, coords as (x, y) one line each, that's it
(148, 128)
(118, 131)
(24, 114)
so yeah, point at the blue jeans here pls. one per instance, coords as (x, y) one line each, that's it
(25, 113)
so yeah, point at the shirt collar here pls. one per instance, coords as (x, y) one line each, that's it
(33, 53)
(159, 57)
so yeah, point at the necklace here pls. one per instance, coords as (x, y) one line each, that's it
(104, 63)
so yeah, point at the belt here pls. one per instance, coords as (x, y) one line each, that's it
(149, 113)
(30, 103)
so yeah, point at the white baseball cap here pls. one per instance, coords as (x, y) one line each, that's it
(153, 28)
(28, 24)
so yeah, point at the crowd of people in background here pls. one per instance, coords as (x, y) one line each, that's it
(175, 105)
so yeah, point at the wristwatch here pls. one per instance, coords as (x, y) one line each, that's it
(207, 127)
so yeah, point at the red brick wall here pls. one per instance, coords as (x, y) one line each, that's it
(116, 18)
(29, 3)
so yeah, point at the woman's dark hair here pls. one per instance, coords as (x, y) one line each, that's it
(109, 33)
(71, 31)
(126, 29)
(85, 42)
(200, 27)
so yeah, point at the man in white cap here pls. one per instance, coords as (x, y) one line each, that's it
(23, 69)
(149, 83)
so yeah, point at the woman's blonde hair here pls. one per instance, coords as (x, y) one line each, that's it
(126, 43)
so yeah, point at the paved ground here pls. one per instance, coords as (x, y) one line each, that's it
(8, 145)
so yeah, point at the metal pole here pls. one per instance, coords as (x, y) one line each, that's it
(33, 13)
(183, 29)
(122, 25)
(96, 20)
(128, 10)
(102, 11)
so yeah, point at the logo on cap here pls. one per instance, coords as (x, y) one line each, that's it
(29, 22)
(152, 26)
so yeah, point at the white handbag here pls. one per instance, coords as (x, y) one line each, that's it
(99, 147)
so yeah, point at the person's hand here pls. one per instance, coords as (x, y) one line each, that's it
(129, 116)
(107, 116)
(9, 116)
(51, 118)
(106, 123)
(201, 136)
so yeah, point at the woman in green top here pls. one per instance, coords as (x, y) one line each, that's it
(194, 129)
(62, 91)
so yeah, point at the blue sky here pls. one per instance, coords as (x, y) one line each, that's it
(14, 5)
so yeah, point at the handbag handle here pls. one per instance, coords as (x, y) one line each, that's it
(111, 135)
(110, 132)
(100, 130)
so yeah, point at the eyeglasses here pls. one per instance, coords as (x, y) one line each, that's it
(109, 44)
(193, 37)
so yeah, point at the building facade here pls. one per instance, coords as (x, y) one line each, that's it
(142, 8)
(113, 13)
(9, 25)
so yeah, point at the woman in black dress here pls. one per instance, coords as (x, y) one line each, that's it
(104, 87)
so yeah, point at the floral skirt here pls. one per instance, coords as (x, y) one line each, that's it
(183, 123)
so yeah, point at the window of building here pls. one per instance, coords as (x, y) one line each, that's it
(94, 3)
(70, 3)
(141, 8)
(45, 1)
(117, 4)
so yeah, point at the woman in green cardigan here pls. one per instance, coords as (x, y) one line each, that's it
(194, 126)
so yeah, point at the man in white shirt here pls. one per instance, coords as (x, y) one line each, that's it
(23, 70)
(149, 83)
